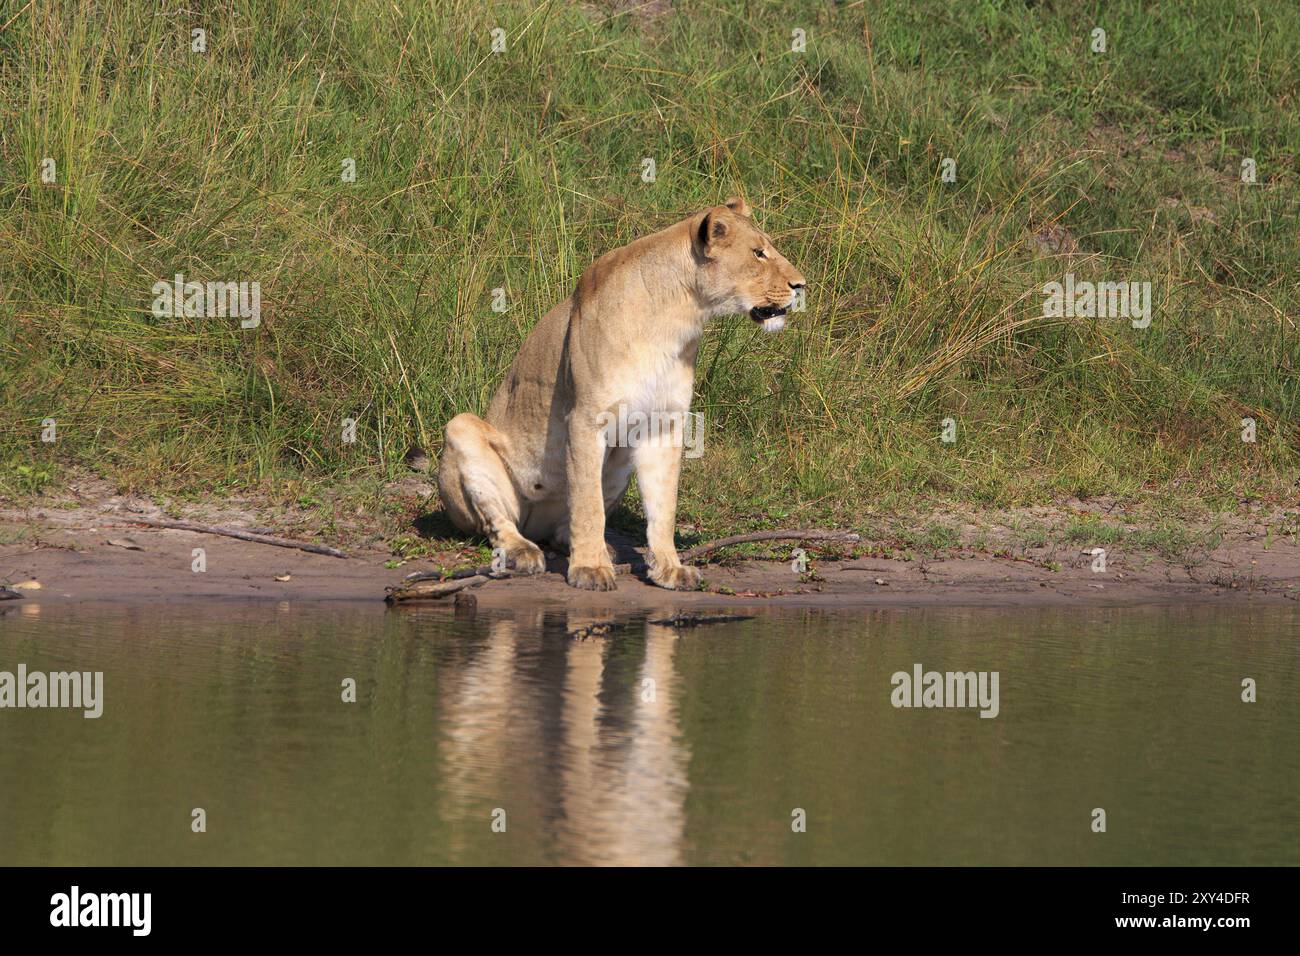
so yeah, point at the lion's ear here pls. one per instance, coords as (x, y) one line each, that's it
(713, 228)
(738, 206)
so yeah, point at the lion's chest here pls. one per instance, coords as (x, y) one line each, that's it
(663, 380)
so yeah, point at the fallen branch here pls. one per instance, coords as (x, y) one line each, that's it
(432, 590)
(807, 535)
(485, 571)
(236, 533)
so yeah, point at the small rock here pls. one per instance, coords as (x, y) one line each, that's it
(27, 586)
(417, 460)
(284, 577)
(124, 543)
(8, 594)
(881, 581)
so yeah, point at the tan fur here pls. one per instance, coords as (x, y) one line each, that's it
(538, 469)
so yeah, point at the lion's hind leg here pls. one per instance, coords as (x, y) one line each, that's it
(478, 493)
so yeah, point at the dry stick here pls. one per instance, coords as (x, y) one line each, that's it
(811, 534)
(485, 571)
(415, 590)
(236, 533)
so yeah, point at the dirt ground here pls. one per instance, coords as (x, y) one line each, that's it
(64, 547)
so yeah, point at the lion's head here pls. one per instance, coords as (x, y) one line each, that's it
(740, 270)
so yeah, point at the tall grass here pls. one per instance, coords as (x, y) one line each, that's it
(514, 170)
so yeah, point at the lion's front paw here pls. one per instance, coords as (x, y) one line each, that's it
(592, 579)
(526, 558)
(676, 577)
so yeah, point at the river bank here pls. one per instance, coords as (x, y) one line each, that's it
(89, 549)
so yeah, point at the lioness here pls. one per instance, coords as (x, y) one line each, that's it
(542, 467)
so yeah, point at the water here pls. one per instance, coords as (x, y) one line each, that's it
(237, 709)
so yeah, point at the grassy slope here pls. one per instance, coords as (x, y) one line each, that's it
(477, 171)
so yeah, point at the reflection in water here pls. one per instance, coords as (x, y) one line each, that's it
(624, 783)
(605, 719)
(646, 743)
(478, 707)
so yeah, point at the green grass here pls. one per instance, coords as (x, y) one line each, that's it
(477, 171)
(1172, 540)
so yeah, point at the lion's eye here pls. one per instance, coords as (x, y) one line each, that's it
(760, 254)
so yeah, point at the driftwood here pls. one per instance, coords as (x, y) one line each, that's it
(236, 533)
(433, 590)
(811, 534)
